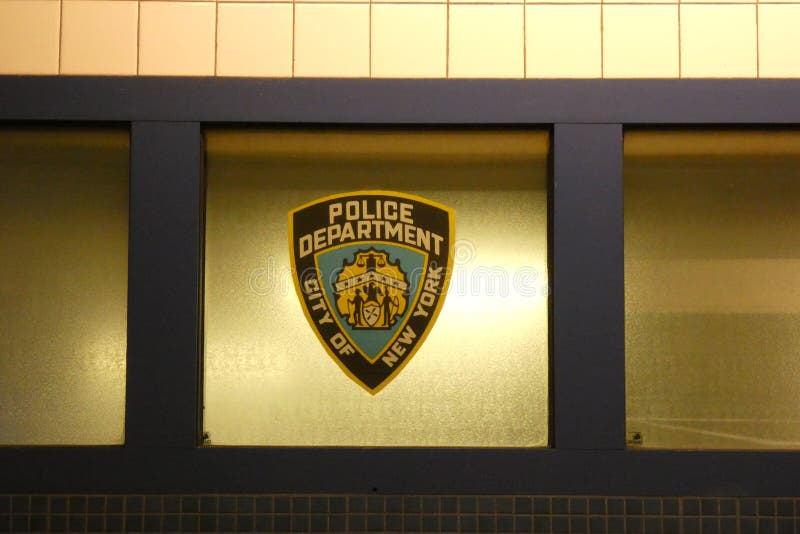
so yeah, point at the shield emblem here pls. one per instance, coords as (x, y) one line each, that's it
(371, 269)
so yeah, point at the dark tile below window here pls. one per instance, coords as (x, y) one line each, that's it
(399, 513)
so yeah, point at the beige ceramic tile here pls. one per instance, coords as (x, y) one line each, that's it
(486, 41)
(29, 36)
(331, 40)
(254, 40)
(99, 37)
(494, 2)
(563, 41)
(641, 1)
(177, 38)
(718, 41)
(719, 1)
(582, 2)
(640, 41)
(333, 1)
(443, 2)
(779, 41)
(409, 41)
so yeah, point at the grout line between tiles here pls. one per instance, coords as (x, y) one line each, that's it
(138, 36)
(524, 41)
(758, 44)
(680, 45)
(294, 33)
(370, 38)
(602, 44)
(447, 47)
(60, 32)
(216, 37)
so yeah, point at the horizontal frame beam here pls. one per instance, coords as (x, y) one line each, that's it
(397, 471)
(353, 101)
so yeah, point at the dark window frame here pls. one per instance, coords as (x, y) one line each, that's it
(588, 456)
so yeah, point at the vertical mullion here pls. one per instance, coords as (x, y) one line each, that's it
(163, 286)
(588, 306)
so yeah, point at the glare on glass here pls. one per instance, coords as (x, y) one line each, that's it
(63, 285)
(481, 376)
(712, 288)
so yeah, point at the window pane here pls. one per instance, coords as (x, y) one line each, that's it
(712, 288)
(481, 376)
(63, 299)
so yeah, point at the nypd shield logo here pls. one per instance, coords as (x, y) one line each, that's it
(371, 269)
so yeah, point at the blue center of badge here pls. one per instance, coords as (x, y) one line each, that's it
(371, 288)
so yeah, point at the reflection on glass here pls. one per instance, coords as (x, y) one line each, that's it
(480, 378)
(63, 285)
(712, 288)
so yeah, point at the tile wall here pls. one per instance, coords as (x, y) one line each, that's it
(398, 513)
(403, 38)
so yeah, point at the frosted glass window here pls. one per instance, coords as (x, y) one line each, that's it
(712, 289)
(481, 376)
(63, 285)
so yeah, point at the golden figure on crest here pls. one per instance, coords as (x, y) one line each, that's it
(371, 292)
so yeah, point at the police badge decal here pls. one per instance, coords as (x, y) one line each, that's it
(371, 269)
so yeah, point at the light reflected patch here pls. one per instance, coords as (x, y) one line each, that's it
(63, 285)
(712, 288)
(481, 377)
